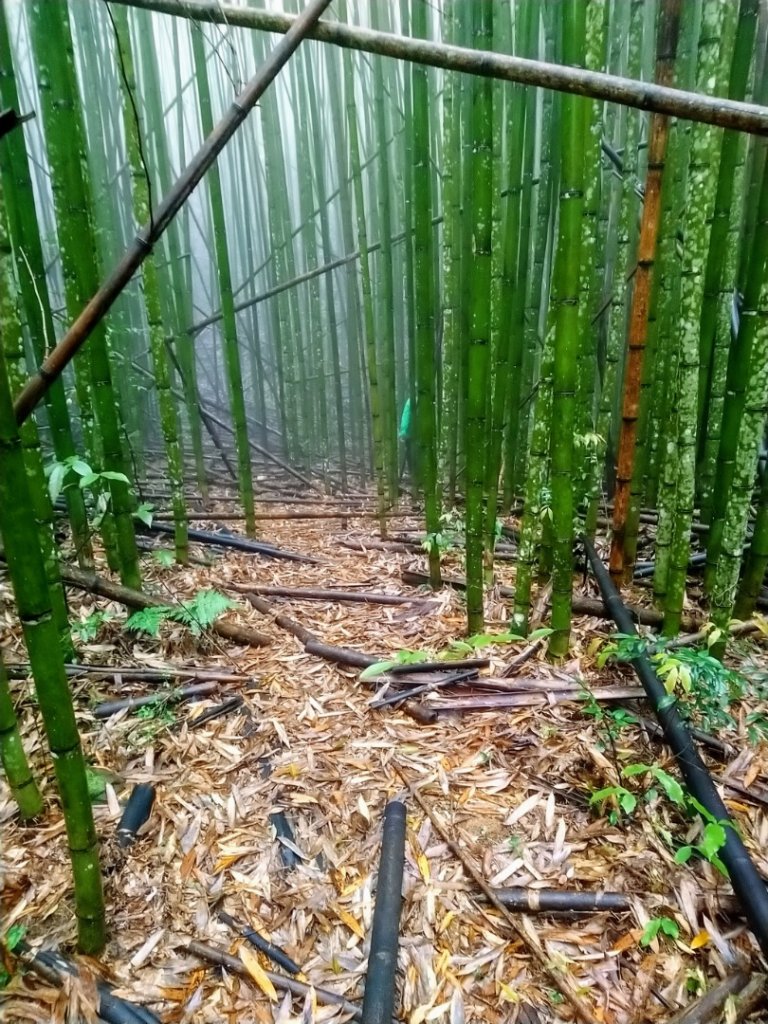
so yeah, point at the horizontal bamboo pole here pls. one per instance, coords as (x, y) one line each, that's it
(724, 113)
(100, 304)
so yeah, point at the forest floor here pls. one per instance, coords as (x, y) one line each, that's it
(512, 784)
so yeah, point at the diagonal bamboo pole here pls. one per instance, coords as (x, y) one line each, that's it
(641, 294)
(53, 366)
(725, 113)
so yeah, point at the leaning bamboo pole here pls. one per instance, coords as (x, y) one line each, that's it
(641, 296)
(95, 311)
(659, 98)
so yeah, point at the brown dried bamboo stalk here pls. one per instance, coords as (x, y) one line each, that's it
(669, 28)
(526, 936)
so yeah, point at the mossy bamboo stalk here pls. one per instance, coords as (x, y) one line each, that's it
(480, 172)
(65, 142)
(21, 782)
(426, 426)
(565, 299)
(168, 417)
(756, 560)
(27, 573)
(24, 236)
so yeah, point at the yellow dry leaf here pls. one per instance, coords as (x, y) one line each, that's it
(508, 993)
(736, 805)
(701, 939)
(352, 923)
(257, 972)
(449, 916)
(423, 863)
(419, 1014)
(224, 862)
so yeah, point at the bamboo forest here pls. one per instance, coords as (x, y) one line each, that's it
(384, 511)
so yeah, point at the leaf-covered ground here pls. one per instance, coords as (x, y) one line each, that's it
(515, 785)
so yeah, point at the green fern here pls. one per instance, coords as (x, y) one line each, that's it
(148, 620)
(202, 611)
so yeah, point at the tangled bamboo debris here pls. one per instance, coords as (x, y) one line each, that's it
(175, 696)
(95, 584)
(130, 673)
(221, 958)
(529, 939)
(709, 1007)
(612, 88)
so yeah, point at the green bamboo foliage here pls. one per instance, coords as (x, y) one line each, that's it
(22, 784)
(27, 573)
(65, 142)
(229, 323)
(479, 321)
(152, 299)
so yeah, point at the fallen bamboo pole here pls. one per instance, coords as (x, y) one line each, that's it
(298, 988)
(95, 584)
(98, 307)
(318, 594)
(177, 696)
(691, 106)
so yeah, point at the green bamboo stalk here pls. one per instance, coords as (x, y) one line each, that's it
(703, 159)
(479, 317)
(318, 166)
(720, 274)
(744, 382)
(27, 573)
(141, 209)
(385, 282)
(65, 140)
(176, 290)
(426, 426)
(229, 323)
(449, 418)
(21, 782)
(369, 322)
(16, 183)
(756, 560)
(565, 298)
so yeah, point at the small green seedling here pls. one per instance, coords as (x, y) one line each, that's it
(10, 943)
(401, 658)
(164, 557)
(88, 628)
(659, 926)
(197, 614)
(622, 800)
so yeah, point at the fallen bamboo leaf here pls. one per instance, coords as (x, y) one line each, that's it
(257, 972)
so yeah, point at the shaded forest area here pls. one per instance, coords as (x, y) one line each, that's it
(384, 510)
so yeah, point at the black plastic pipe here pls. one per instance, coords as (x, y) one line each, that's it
(747, 883)
(379, 998)
(136, 812)
(275, 954)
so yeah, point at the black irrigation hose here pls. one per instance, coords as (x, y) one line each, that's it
(252, 547)
(745, 878)
(646, 569)
(111, 1008)
(379, 998)
(283, 830)
(136, 812)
